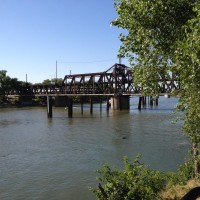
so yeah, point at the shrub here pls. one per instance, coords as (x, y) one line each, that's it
(135, 181)
(185, 172)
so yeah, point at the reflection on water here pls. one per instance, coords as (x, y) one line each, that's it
(56, 158)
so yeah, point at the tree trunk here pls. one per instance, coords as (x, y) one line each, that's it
(196, 160)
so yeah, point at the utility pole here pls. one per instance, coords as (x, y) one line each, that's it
(56, 71)
(120, 60)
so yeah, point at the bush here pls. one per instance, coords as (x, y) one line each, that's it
(185, 172)
(180, 182)
(135, 181)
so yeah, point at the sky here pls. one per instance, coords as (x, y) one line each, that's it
(35, 34)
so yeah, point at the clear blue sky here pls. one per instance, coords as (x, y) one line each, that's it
(34, 34)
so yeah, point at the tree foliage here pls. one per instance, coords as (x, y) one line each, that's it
(8, 84)
(53, 81)
(162, 41)
(134, 181)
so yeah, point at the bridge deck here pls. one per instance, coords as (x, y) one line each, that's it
(117, 80)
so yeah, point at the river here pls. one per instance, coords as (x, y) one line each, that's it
(57, 159)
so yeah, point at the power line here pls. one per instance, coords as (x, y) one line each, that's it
(83, 62)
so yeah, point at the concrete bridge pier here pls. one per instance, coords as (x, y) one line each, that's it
(120, 102)
(49, 107)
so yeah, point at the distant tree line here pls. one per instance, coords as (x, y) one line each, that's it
(53, 81)
(7, 83)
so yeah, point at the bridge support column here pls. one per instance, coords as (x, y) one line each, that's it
(70, 107)
(49, 107)
(82, 105)
(120, 102)
(140, 103)
(151, 101)
(100, 104)
(156, 101)
(144, 101)
(91, 105)
(107, 104)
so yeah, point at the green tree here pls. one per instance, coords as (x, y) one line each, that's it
(8, 84)
(162, 38)
(3, 82)
(53, 81)
(47, 81)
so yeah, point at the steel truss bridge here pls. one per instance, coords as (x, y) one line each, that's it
(117, 80)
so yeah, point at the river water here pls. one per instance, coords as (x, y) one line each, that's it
(56, 158)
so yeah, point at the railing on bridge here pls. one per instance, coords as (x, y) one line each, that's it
(116, 80)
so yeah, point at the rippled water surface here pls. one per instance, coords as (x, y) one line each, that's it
(56, 158)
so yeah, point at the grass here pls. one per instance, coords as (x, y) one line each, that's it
(178, 191)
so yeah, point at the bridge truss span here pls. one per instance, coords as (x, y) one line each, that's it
(117, 79)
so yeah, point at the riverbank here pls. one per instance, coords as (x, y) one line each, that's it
(19, 101)
(178, 191)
